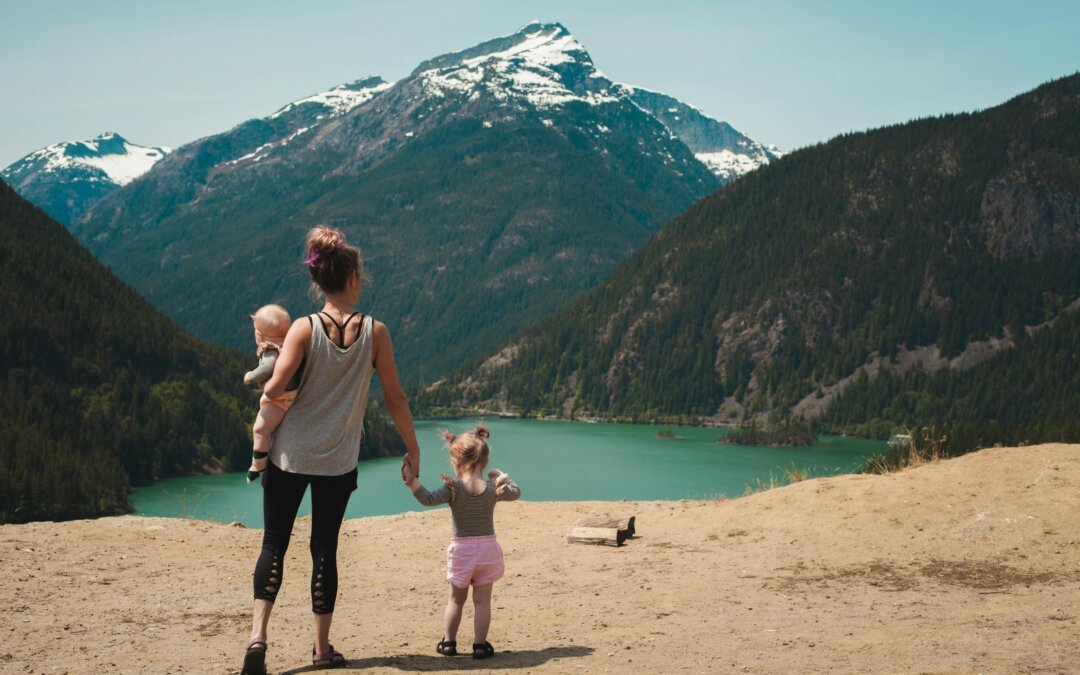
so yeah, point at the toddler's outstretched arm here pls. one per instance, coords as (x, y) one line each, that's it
(443, 495)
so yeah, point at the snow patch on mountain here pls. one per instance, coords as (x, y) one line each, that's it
(729, 165)
(114, 159)
(263, 150)
(340, 99)
(727, 152)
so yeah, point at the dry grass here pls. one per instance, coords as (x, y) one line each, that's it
(794, 474)
(926, 446)
(788, 474)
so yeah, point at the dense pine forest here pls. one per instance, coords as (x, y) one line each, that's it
(1029, 394)
(98, 390)
(940, 233)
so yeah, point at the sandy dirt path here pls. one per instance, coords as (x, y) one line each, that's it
(966, 565)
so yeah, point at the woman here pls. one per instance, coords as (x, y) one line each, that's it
(318, 441)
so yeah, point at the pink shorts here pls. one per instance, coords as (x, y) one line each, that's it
(474, 560)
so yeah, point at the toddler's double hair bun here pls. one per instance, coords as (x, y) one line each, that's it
(469, 448)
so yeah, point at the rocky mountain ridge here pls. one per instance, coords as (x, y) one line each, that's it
(510, 174)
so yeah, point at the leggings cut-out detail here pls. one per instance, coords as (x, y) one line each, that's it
(282, 494)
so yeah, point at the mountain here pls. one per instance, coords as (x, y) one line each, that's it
(727, 152)
(99, 390)
(921, 248)
(488, 188)
(66, 179)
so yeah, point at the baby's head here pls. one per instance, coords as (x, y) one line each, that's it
(272, 322)
(469, 449)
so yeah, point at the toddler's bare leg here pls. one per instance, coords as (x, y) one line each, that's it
(481, 598)
(454, 607)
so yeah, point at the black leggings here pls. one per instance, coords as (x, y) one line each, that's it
(282, 493)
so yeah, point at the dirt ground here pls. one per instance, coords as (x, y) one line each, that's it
(966, 565)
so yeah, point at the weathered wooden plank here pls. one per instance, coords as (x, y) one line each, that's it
(621, 523)
(606, 536)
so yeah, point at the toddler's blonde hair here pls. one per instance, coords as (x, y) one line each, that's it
(272, 320)
(468, 449)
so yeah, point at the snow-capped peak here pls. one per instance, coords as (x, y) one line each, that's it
(534, 44)
(342, 98)
(108, 157)
(727, 152)
(541, 63)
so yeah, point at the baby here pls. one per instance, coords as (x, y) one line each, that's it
(271, 322)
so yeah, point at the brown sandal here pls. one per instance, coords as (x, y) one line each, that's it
(255, 658)
(447, 647)
(330, 659)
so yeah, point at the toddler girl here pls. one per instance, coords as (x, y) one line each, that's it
(271, 322)
(473, 556)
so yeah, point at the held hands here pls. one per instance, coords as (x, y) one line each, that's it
(408, 471)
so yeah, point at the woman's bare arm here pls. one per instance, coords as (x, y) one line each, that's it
(397, 404)
(292, 355)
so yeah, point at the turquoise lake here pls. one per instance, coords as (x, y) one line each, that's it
(550, 460)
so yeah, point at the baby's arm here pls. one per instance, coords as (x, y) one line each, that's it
(264, 370)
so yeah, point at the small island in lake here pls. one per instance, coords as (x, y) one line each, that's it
(789, 433)
(668, 434)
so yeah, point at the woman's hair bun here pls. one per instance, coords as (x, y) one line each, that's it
(324, 240)
(482, 432)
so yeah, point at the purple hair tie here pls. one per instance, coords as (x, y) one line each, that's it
(312, 259)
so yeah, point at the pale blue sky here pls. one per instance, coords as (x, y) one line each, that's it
(783, 71)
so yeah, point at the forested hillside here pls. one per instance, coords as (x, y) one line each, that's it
(919, 239)
(1029, 394)
(98, 390)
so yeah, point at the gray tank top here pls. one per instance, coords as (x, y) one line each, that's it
(321, 433)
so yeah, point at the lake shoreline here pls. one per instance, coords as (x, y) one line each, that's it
(677, 421)
(636, 464)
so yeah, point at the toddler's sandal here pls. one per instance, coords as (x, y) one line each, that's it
(482, 651)
(447, 647)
